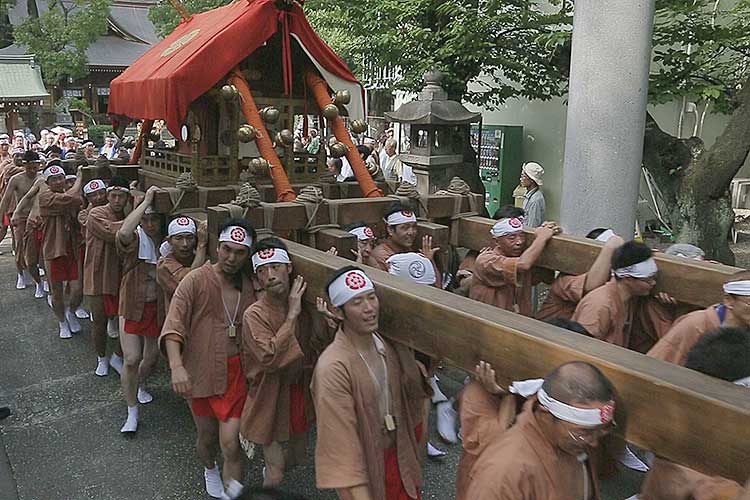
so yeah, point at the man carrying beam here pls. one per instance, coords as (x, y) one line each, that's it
(184, 250)
(503, 275)
(724, 354)
(622, 312)
(201, 338)
(567, 290)
(369, 397)
(401, 224)
(280, 345)
(733, 312)
(545, 454)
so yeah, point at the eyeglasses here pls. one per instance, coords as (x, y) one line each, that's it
(588, 435)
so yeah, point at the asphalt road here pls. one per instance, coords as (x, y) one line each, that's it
(62, 441)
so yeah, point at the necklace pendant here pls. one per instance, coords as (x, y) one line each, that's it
(390, 423)
(232, 331)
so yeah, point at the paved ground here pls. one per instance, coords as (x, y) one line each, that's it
(63, 442)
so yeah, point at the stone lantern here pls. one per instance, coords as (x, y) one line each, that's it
(439, 131)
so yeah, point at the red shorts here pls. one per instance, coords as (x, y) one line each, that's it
(298, 423)
(111, 304)
(228, 405)
(147, 326)
(64, 268)
(39, 236)
(6, 220)
(394, 486)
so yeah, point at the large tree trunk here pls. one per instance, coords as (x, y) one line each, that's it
(695, 181)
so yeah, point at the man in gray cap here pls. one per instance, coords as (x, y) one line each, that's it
(533, 200)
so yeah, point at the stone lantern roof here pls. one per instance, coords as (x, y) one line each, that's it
(432, 106)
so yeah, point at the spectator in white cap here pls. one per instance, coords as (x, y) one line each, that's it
(369, 396)
(533, 200)
(89, 150)
(184, 250)
(110, 148)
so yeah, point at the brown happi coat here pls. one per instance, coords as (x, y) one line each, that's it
(669, 481)
(636, 325)
(134, 289)
(380, 254)
(102, 268)
(564, 295)
(522, 464)
(58, 211)
(684, 334)
(197, 319)
(351, 434)
(169, 273)
(497, 281)
(276, 354)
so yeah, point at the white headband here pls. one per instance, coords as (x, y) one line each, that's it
(236, 234)
(118, 188)
(52, 171)
(737, 288)
(645, 269)
(402, 217)
(363, 233)
(70, 177)
(349, 285)
(507, 226)
(413, 266)
(588, 417)
(744, 382)
(150, 210)
(605, 236)
(270, 256)
(93, 185)
(181, 225)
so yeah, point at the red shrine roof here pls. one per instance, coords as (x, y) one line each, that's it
(202, 50)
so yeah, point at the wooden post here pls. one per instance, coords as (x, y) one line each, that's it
(677, 413)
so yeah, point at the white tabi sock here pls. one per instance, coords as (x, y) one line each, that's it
(115, 362)
(39, 292)
(20, 282)
(233, 490)
(81, 313)
(131, 424)
(437, 394)
(27, 278)
(75, 326)
(102, 366)
(214, 486)
(144, 397)
(46, 285)
(65, 330)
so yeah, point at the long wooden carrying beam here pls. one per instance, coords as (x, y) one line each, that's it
(689, 281)
(679, 414)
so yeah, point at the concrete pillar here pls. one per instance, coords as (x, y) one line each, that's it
(610, 61)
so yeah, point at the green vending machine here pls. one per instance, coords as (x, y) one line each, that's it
(500, 159)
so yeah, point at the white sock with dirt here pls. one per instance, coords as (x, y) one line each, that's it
(233, 490)
(113, 327)
(65, 330)
(75, 326)
(115, 362)
(144, 397)
(214, 486)
(102, 366)
(20, 282)
(39, 292)
(131, 424)
(81, 313)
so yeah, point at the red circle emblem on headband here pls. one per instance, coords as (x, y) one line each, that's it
(368, 232)
(267, 253)
(182, 221)
(54, 170)
(238, 235)
(515, 223)
(94, 185)
(606, 412)
(355, 281)
(407, 213)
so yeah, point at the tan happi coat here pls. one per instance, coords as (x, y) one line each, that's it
(563, 297)
(497, 281)
(522, 464)
(169, 273)
(58, 212)
(684, 334)
(197, 319)
(139, 284)
(351, 432)
(276, 354)
(380, 254)
(102, 267)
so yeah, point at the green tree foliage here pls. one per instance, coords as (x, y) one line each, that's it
(166, 18)
(60, 36)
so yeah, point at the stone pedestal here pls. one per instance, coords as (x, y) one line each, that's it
(610, 61)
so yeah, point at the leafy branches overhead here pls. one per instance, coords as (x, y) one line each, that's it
(166, 18)
(60, 36)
